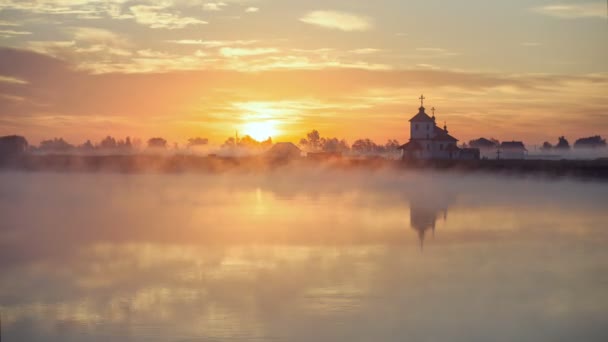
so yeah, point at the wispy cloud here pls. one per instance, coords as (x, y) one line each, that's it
(252, 10)
(365, 51)
(573, 11)
(238, 52)
(159, 17)
(338, 20)
(12, 33)
(12, 80)
(212, 43)
(214, 6)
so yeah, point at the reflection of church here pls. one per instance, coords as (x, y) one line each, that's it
(424, 216)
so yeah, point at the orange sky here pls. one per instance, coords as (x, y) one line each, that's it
(84, 69)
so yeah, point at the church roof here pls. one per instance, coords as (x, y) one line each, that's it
(412, 145)
(442, 135)
(421, 116)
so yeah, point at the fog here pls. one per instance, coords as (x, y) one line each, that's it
(302, 254)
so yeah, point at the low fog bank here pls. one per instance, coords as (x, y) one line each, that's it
(167, 163)
(302, 206)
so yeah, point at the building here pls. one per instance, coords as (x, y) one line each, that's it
(284, 150)
(12, 145)
(487, 148)
(512, 150)
(429, 141)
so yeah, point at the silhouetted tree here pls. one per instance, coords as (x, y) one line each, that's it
(192, 142)
(87, 146)
(546, 146)
(365, 146)
(229, 143)
(312, 141)
(267, 143)
(562, 144)
(590, 142)
(55, 145)
(334, 145)
(248, 142)
(391, 145)
(157, 143)
(108, 143)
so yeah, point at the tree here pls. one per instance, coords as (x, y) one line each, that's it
(391, 145)
(229, 143)
(157, 142)
(87, 146)
(364, 146)
(334, 145)
(546, 146)
(562, 144)
(267, 143)
(108, 143)
(55, 145)
(192, 142)
(314, 138)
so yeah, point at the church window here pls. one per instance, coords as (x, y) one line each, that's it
(416, 127)
(440, 147)
(428, 127)
(427, 136)
(428, 147)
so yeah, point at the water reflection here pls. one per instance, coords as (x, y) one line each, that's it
(184, 258)
(424, 213)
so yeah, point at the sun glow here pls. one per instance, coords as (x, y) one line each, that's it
(260, 130)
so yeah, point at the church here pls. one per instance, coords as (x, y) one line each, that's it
(429, 141)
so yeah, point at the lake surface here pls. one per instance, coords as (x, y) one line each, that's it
(311, 255)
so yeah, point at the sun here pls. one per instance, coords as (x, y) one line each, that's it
(260, 130)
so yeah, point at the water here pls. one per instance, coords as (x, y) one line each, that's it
(302, 256)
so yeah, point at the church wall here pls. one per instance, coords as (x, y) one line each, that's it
(421, 130)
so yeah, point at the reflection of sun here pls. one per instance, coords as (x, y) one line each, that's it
(260, 130)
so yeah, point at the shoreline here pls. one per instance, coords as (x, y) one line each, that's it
(596, 169)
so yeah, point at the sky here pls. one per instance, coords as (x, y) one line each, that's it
(512, 70)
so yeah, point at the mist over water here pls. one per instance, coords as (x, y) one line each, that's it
(302, 255)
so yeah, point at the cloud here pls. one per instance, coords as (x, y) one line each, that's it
(12, 80)
(8, 23)
(98, 36)
(338, 20)
(214, 6)
(212, 43)
(238, 52)
(158, 17)
(12, 33)
(365, 51)
(574, 11)
(252, 10)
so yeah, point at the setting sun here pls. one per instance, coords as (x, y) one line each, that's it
(260, 130)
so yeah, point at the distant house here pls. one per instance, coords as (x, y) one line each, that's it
(470, 154)
(487, 148)
(429, 141)
(283, 150)
(590, 142)
(12, 145)
(512, 150)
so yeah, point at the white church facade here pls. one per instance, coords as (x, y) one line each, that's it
(429, 141)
